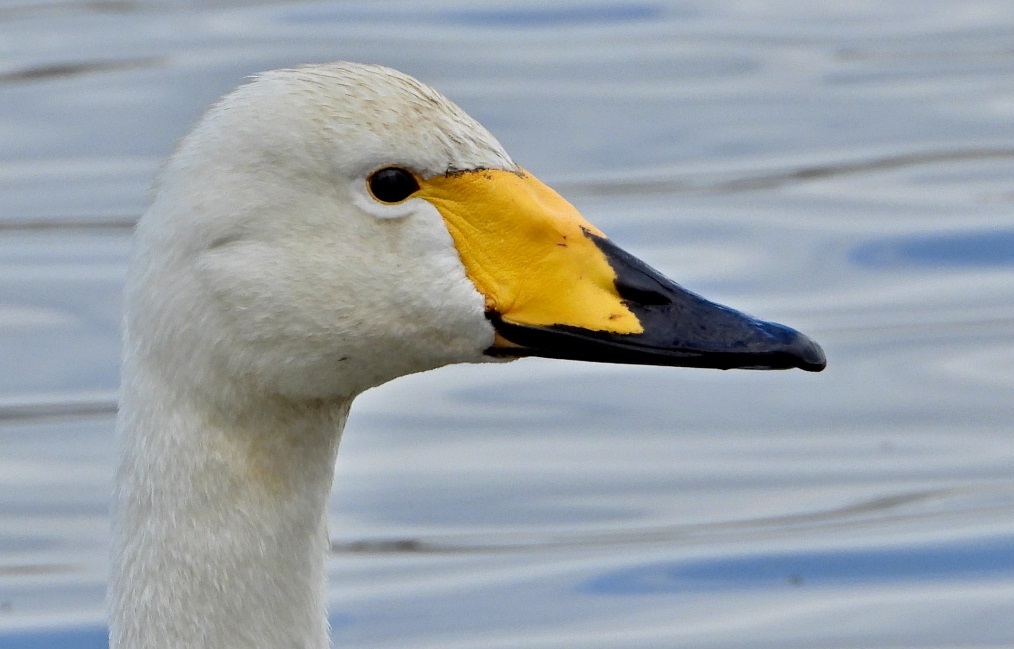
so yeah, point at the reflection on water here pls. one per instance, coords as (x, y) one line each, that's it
(610, 14)
(991, 248)
(968, 560)
(63, 70)
(726, 181)
(845, 169)
(93, 637)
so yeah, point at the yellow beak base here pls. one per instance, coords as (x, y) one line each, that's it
(527, 252)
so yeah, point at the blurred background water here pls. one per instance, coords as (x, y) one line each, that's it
(847, 168)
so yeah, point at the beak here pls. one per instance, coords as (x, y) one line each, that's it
(680, 328)
(556, 287)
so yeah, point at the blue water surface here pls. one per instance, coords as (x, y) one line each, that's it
(844, 168)
(991, 248)
(968, 560)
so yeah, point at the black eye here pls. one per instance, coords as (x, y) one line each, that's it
(392, 184)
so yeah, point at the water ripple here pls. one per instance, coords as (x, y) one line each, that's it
(750, 180)
(977, 249)
(894, 507)
(60, 70)
(991, 558)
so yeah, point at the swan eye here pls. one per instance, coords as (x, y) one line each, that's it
(392, 184)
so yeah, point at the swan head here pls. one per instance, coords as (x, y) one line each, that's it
(326, 229)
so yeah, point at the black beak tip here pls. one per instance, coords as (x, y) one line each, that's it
(811, 356)
(803, 351)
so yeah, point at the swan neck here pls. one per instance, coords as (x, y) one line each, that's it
(220, 529)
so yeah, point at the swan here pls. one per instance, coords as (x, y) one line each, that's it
(323, 230)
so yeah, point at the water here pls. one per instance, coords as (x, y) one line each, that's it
(844, 169)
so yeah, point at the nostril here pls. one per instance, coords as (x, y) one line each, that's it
(641, 295)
